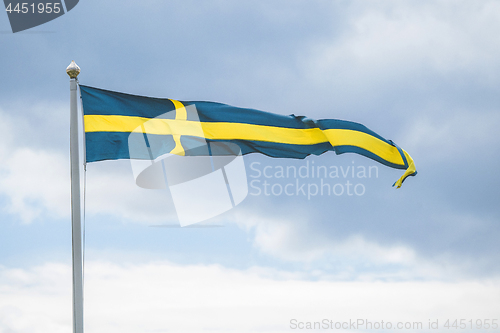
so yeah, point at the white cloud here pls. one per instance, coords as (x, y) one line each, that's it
(36, 181)
(160, 296)
(35, 300)
(385, 41)
(441, 138)
(352, 257)
(111, 190)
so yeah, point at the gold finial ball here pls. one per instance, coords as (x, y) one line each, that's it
(73, 70)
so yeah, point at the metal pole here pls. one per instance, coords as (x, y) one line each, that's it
(73, 70)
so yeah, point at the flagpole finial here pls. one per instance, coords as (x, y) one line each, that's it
(73, 70)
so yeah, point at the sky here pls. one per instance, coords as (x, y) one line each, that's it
(424, 74)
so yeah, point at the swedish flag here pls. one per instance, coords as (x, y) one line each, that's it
(111, 118)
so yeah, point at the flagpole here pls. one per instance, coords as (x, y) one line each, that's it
(76, 225)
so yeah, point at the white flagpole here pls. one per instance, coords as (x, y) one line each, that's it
(73, 70)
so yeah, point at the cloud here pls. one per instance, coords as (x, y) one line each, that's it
(453, 135)
(355, 256)
(392, 39)
(37, 185)
(35, 181)
(35, 176)
(158, 296)
(398, 67)
(35, 300)
(111, 190)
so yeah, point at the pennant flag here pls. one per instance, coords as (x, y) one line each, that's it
(111, 117)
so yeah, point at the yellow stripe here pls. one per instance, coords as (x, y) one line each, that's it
(181, 117)
(240, 131)
(98, 123)
(342, 137)
(178, 150)
(216, 131)
(251, 132)
(180, 110)
(409, 171)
